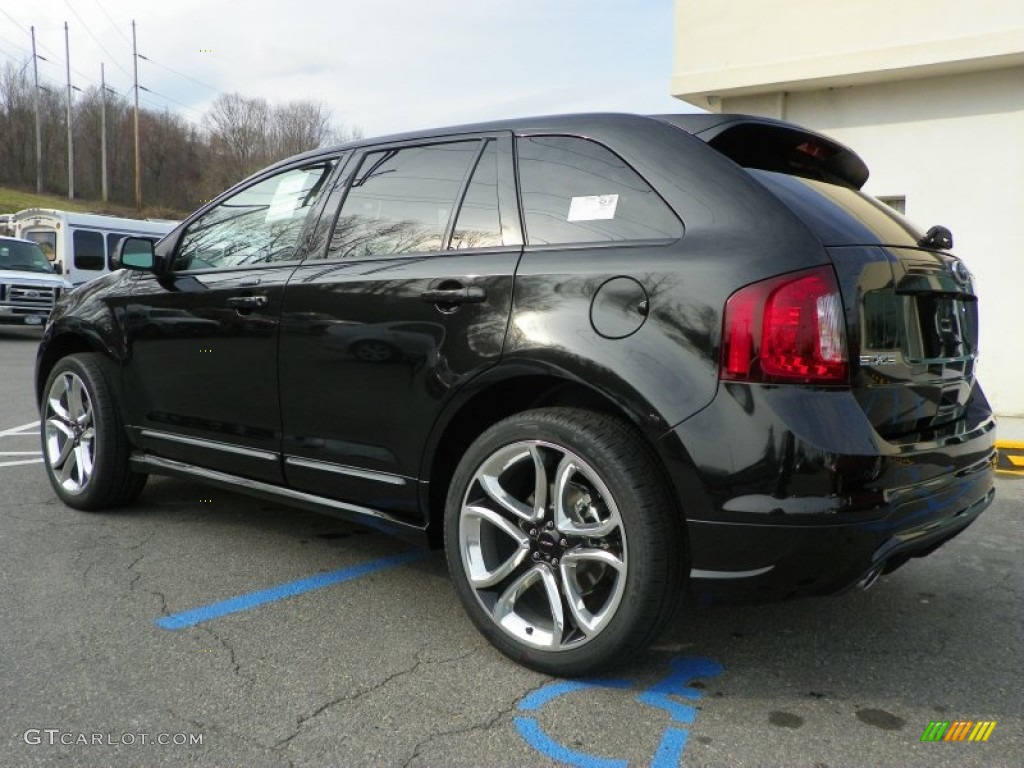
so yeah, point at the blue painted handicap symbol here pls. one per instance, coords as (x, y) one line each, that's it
(664, 695)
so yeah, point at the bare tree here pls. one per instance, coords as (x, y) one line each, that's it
(239, 135)
(182, 165)
(300, 126)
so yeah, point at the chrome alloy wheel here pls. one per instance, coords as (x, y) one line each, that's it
(543, 546)
(70, 432)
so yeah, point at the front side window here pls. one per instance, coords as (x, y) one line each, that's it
(577, 191)
(113, 238)
(400, 200)
(88, 248)
(259, 225)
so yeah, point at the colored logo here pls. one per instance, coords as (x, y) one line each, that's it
(959, 730)
(662, 695)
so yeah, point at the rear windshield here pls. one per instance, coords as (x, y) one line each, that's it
(840, 215)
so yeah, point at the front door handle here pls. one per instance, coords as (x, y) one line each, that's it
(471, 295)
(247, 302)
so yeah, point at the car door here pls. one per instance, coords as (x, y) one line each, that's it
(408, 299)
(201, 371)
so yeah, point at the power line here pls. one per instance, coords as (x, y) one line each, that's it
(168, 98)
(40, 44)
(162, 107)
(15, 59)
(18, 25)
(180, 74)
(96, 39)
(14, 21)
(113, 23)
(15, 45)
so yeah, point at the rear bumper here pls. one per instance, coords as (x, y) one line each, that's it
(808, 499)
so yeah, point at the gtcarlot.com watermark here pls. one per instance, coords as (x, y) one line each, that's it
(55, 736)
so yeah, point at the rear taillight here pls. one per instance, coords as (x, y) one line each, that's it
(788, 329)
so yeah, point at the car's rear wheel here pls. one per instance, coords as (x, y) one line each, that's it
(563, 543)
(85, 449)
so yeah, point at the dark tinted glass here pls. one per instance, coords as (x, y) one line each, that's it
(576, 191)
(400, 201)
(112, 240)
(479, 223)
(840, 214)
(258, 225)
(88, 247)
(22, 256)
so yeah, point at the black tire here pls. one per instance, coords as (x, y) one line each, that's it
(85, 449)
(625, 582)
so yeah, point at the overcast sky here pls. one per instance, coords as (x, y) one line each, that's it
(382, 65)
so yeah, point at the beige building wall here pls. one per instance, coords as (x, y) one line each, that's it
(939, 120)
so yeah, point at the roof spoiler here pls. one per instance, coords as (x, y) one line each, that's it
(774, 145)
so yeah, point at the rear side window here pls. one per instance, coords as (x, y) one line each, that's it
(401, 200)
(577, 191)
(479, 222)
(88, 247)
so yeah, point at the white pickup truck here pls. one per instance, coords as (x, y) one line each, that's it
(28, 284)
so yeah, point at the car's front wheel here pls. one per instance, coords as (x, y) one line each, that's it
(85, 449)
(562, 541)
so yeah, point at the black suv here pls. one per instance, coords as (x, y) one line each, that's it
(600, 359)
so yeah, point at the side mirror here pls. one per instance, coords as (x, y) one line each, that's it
(135, 253)
(56, 268)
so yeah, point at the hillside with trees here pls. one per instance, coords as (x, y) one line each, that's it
(183, 163)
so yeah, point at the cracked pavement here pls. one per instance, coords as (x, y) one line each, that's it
(387, 670)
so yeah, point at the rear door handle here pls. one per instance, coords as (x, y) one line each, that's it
(472, 295)
(247, 302)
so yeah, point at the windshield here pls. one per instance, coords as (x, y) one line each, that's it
(28, 257)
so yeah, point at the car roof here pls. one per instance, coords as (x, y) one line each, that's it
(721, 131)
(19, 239)
(589, 122)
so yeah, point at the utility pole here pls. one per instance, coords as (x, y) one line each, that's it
(138, 153)
(71, 142)
(35, 103)
(103, 132)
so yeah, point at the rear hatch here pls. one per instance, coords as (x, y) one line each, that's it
(911, 310)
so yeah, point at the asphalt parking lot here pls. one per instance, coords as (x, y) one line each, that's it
(199, 627)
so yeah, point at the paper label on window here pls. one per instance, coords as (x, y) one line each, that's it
(593, 207)
(286, 197)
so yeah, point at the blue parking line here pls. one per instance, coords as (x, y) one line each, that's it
(552, 691)
(281, 591)
(540, 741)
(662, 695)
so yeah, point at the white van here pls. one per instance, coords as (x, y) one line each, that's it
(28, 285)
(83, 243)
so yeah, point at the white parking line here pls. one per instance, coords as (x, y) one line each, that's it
(19, 463)
(32, 428)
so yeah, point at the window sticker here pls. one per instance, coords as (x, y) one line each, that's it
(593, 207)
(286, 197)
